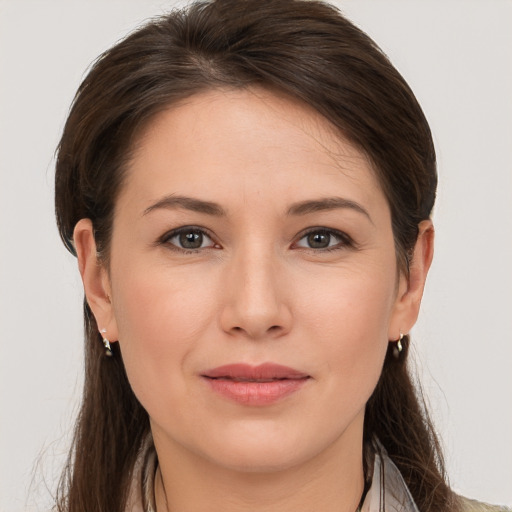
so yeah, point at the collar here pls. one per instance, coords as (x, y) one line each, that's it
(388, 491)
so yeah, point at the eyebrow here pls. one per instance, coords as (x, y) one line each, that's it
(328, 203)
(301, 208)
(187, 203)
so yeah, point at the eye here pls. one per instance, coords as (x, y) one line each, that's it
(322, 238)
(188, 239)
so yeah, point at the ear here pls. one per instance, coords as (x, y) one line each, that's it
(410, 290)
(95, 279)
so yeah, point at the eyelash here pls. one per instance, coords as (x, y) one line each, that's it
(345, 241)
(165, 239)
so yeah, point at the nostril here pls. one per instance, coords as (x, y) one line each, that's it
(270, 330)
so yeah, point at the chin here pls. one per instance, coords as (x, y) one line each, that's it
(264, 451)
(259, 460)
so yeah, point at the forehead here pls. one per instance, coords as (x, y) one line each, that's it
(250, 142)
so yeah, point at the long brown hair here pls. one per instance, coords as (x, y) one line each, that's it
(309, 51)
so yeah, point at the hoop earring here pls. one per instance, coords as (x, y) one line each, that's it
(106, 343)
(397, 349)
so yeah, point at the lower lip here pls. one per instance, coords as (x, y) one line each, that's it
(256, 393)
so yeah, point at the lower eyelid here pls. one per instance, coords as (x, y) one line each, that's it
(344, 240)
(167, 237)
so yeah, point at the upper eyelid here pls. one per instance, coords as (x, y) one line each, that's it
(345, 240)
(313, 229)
(336, 232)
(181, 229)
(168, 235)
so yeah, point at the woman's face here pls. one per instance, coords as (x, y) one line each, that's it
(247, 233)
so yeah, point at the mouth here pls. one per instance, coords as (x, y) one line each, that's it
(241, 379)
(255, 385)
(266, 372)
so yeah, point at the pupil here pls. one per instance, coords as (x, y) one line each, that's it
(191, 240)
(319, 240)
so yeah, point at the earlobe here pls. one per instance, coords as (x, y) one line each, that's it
(408, 300)
(95, 279)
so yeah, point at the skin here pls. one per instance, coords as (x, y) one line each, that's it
(254, 292)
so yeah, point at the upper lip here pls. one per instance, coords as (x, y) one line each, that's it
(262, 372)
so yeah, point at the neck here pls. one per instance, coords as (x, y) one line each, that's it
(332, 481)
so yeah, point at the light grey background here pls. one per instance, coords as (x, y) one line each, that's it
(457, 57)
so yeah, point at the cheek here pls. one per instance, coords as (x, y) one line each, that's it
(159, 315)
(349, 322)
(352, 305)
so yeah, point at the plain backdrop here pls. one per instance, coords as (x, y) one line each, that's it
(457, 57)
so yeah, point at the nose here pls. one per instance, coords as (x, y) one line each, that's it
(256, 305)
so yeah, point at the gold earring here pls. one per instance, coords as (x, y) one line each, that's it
(106, 343)
(397, 349)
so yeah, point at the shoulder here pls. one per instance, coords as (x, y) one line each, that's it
(468, 505)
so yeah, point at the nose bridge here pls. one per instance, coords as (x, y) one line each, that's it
(256, 304)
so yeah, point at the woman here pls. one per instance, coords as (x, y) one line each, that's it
(248, 189)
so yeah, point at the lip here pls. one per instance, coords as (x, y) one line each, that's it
(255, 385)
